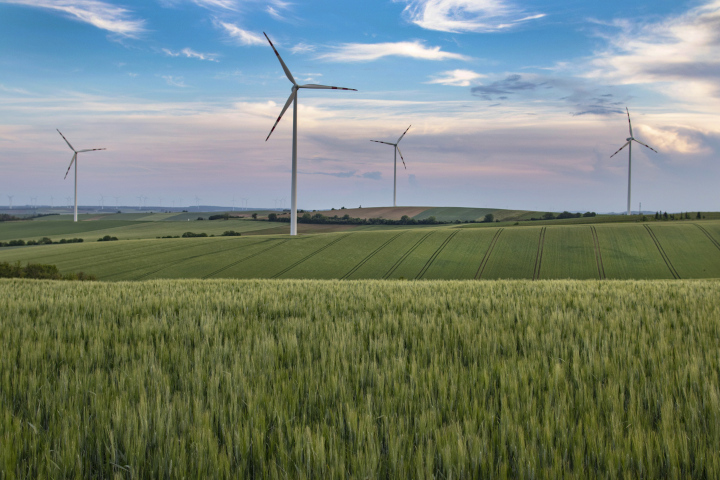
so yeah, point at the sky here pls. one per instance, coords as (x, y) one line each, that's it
(513, 104)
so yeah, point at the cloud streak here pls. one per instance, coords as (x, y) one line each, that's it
(456, 78)
(367, 52)
(240, 36)
(459, 16)
(189, 53)
(102, 15)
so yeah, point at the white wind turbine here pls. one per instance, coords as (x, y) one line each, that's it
(10, 197)
(396, 150)
(74, 160)
(293, 99)
(628, 144)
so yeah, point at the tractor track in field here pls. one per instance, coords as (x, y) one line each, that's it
(169, 264)
(538, 258)
(309, 255)
(707, 234)
(432, 258)
(598, 254)
(405, 255)
(371, 255)
(664, 255)
(182, 247)
(222, 269)
(488, 253)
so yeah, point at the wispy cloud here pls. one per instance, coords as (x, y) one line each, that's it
(99, 14)
(189, 53)
(243, 37)
(467, 15)
(3, 88)
(302, 48)
(678, 56)
(215, 4)
(365, 52)
(174, 81)
(456, 78)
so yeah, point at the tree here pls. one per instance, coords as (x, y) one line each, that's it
(549, 216)
(698, 216)
(254, 216)
(272, 217)
(489, 218)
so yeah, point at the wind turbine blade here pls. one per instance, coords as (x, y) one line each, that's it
(287, 71)
(401, 157)
(71, 164)
(629, 124)
(91, 150)
(66, 141)
(287, 104)
(626, 144)
(326, 87)
(648, 146)
(386, 143)
(401, 136)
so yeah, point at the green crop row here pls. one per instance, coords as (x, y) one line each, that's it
(359, 379)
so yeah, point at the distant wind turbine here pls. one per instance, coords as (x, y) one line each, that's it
(628, 144)
(52, 202)
(197, 200)
(102, 202)
(293, 99)
(396, 151)
(74, 160)
(68, 201)
(117, 199)
(10, 197)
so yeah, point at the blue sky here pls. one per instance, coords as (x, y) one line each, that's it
(513, 104)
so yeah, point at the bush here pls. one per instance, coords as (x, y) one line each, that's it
(192, 235)
(548, 216)
(200, 218)
(231, 233)
(107, 238)
(489, 218)
(39, 271)
(272, 217)
(224, 216)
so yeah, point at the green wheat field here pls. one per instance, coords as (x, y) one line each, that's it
(587, 348)
(360, 379)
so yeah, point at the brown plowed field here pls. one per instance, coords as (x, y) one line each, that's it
(391, 213)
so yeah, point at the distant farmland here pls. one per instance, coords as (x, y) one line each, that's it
(638, 250)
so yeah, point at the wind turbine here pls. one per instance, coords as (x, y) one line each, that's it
(10, 197)
(74, 160)
(197, 200)
(117, 199)
(628, 144)
(396, 151)
(293, 99)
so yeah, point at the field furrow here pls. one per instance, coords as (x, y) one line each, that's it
(598, 253)
(435, 255)
(629, 252)
(514, 255)
(692, 253)
(405, 255)
(568, 252)
(538, 257)
(488, 253)
(662, 252)
(417, 257)
(362, 262)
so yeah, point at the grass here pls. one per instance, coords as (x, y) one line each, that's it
(361, 379)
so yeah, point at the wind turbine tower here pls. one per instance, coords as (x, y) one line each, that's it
(628, 144)
(396, 151)
(10, 197)
(74, 160)
(293, 99)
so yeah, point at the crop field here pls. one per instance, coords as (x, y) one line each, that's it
(359, 379)
(652, 250)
